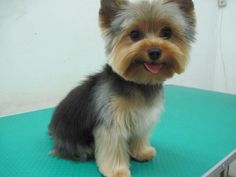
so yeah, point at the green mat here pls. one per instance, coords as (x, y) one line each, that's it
(197, 129)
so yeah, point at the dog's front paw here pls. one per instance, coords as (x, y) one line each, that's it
(144, 154)
(118, 172)
(121, 173)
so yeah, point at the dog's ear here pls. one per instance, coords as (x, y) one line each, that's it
(186, 5)
(108, 11)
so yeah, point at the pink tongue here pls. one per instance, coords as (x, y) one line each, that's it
(153, 68)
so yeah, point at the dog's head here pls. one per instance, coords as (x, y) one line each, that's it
(149, 40)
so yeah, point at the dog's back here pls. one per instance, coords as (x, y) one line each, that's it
(72, 123)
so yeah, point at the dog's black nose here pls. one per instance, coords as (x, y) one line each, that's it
(154, 53)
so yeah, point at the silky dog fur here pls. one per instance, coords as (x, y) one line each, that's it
(110, 116)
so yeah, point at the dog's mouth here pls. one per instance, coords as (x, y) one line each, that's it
(153, 68)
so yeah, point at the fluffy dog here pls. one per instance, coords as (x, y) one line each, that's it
(111, 114)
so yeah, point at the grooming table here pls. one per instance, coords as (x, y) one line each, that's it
(197, 130)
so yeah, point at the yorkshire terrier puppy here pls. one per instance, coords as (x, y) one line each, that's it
(110, 115)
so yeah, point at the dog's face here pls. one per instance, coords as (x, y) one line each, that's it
(147, 41)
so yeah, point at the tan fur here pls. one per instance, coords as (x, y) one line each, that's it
(127, 121)
(111, 142)
(150, 22)
(140, 149)
(126, 128)
(125, 52)
(111, 151)
(121, 173)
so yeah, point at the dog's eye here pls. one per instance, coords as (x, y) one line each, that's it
(136, 35)
(166, 33)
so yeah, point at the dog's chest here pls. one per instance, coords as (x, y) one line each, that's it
(128, 115)
(135, 116)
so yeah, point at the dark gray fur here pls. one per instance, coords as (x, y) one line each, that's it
(75, 117)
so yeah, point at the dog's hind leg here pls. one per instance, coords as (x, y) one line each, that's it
(73, 152)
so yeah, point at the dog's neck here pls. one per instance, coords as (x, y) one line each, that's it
(126, 88)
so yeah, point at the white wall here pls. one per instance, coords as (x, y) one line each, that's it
(213, 58)
(48, 47)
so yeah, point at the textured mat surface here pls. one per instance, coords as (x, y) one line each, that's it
(197, 129)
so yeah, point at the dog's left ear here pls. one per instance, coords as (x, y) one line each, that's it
(186, 5)
(108, 11)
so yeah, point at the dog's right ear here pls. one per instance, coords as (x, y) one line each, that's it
(108, 11)
(186, 5)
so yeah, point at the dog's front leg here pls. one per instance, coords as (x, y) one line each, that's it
(111, 152)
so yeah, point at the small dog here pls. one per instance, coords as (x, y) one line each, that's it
(110, 116)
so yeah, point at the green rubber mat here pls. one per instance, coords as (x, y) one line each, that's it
(197, 129)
